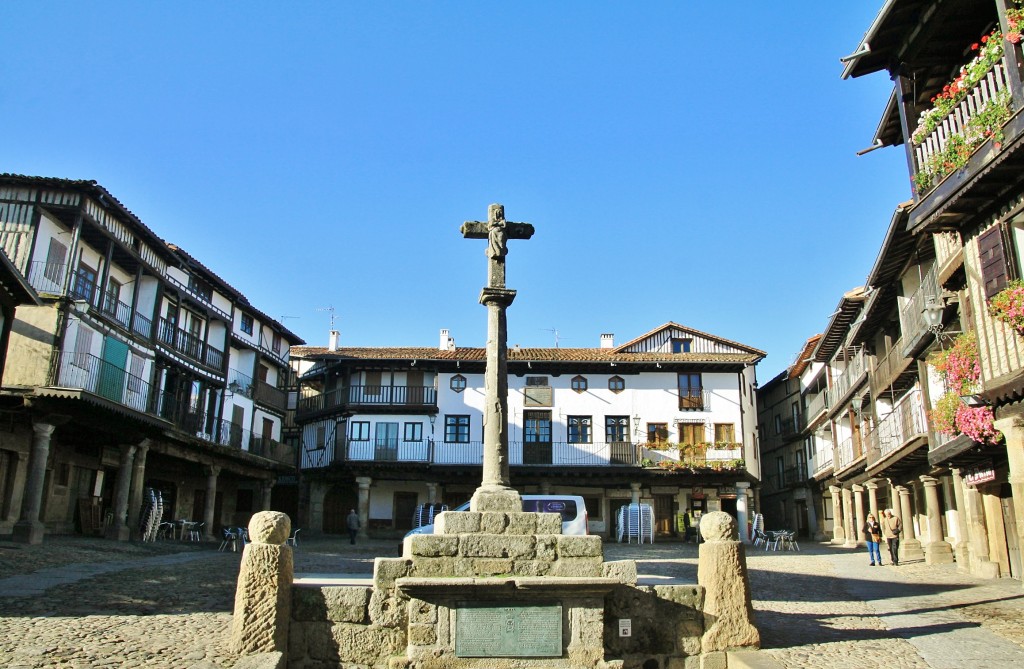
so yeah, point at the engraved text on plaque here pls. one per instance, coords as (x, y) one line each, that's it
(508, 631)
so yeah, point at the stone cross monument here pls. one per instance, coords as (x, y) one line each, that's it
(495, 492)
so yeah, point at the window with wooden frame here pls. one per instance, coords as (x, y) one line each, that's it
(691, 392)
(359, 430)
(83, 348)
(578, 383)
(993, 258)
(579, 429)
(616, 428)
(616, 384)
(680, 345)
(56, 254)
(85, 283)
(458, 383)
(691, 433)
(413, 432)
(456, 429)
(725, 433)
(246, 324)
(657, 433)
(136, 367)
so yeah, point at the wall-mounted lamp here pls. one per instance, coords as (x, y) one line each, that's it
(857, 403)
(80, 307)
(932, 313)
(233, 389)
(974, 401)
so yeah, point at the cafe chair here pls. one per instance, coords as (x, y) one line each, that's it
(294, 539)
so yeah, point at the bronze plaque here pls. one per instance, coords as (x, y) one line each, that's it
(499, 630)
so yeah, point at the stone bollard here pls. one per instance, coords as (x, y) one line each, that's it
(263, 597)
(722, 571)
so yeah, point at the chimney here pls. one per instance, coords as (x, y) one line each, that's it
(607, 341)
(447, 343)
(333, 345)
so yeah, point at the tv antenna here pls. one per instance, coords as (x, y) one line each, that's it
(334, 314)
(555, 332)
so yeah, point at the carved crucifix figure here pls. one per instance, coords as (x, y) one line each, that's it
(495, 492)
(497, 231)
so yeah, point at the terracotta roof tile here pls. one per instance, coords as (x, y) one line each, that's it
(521, 354)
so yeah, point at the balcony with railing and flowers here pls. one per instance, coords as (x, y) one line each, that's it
(971, 111)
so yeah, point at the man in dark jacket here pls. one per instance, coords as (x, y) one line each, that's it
(352, 523)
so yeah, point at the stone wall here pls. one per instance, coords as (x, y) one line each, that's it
(406, 618)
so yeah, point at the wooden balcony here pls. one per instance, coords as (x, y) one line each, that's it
(377, 398)
(189, 345)
(269, 396)
(915, 333)
(893, 368)
(907, 423)
(949, 254)
(847, 381)
(99, 377)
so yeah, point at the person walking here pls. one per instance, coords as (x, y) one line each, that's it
(892, 528)
(352, 523)
(873, 535)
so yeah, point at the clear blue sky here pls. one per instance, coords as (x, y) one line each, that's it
(689, 161)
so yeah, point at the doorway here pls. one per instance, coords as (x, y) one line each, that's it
(405, 509)
(536, 437)
(665, 515)
(337, 502)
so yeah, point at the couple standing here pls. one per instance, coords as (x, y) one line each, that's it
(889, 527)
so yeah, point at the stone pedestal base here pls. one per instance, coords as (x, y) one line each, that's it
(984, 569)
(838, 536)
(29, 532)
(962, 555)
(852, 543)
(911, 550)
(938, 552)
(496, 498)
(117, 533)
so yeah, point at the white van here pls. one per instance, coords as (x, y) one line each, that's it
(572, 508)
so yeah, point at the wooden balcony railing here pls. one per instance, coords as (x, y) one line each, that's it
(822, 459)
(955, 124)
(889, 367)
(905, 422)
(376, 396)
(912, 322)
(268, 395)
(846, 453)
(848, 379)
(815, 404)
(272, 450)
(949, 254)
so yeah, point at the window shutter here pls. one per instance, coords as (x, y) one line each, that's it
(993, 261)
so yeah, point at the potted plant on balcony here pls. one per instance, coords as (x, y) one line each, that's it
(984, 123)
(1008, 305)
(961, 372)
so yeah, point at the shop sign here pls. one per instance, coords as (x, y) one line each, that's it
(727, 490)
(980, 474)
(697, 493)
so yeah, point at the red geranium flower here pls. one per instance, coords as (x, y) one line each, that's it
(975, 46)
(984, 39)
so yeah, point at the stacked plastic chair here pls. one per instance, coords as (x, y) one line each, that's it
(635, 521)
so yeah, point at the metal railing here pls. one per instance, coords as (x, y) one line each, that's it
(520, 453)
(118, 310)
(240, 383)
(889, 367)
(189, 345)
(142, 326)
(694, 400)
(47, 277)
(95, 375)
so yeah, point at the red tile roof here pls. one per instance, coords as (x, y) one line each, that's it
(514, 354)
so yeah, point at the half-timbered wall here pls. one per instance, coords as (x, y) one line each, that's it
(999, 347)
(661, 342)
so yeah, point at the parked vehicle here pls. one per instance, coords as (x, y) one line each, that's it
(571, 507)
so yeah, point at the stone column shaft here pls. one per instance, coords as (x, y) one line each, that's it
(634, 493)
(910, 547)
(29, 529)
(937, 550)
(981, 564)
(212, 472)
(364, 505)
(138, 481)
(872, 487)
(962, 549)
(1013, 432)
(118, 530)
(742, 488)
(14, 494)
(431, 493)
(858, 502)
(848, 520)
(266, 493)
(838, 534)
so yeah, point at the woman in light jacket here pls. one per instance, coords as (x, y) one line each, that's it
(873, 535)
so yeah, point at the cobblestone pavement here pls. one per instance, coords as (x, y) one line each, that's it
(74, 602)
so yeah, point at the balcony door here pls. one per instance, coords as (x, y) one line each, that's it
(616, 434)
(112, 369)
(536, 437)
(385, 445)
